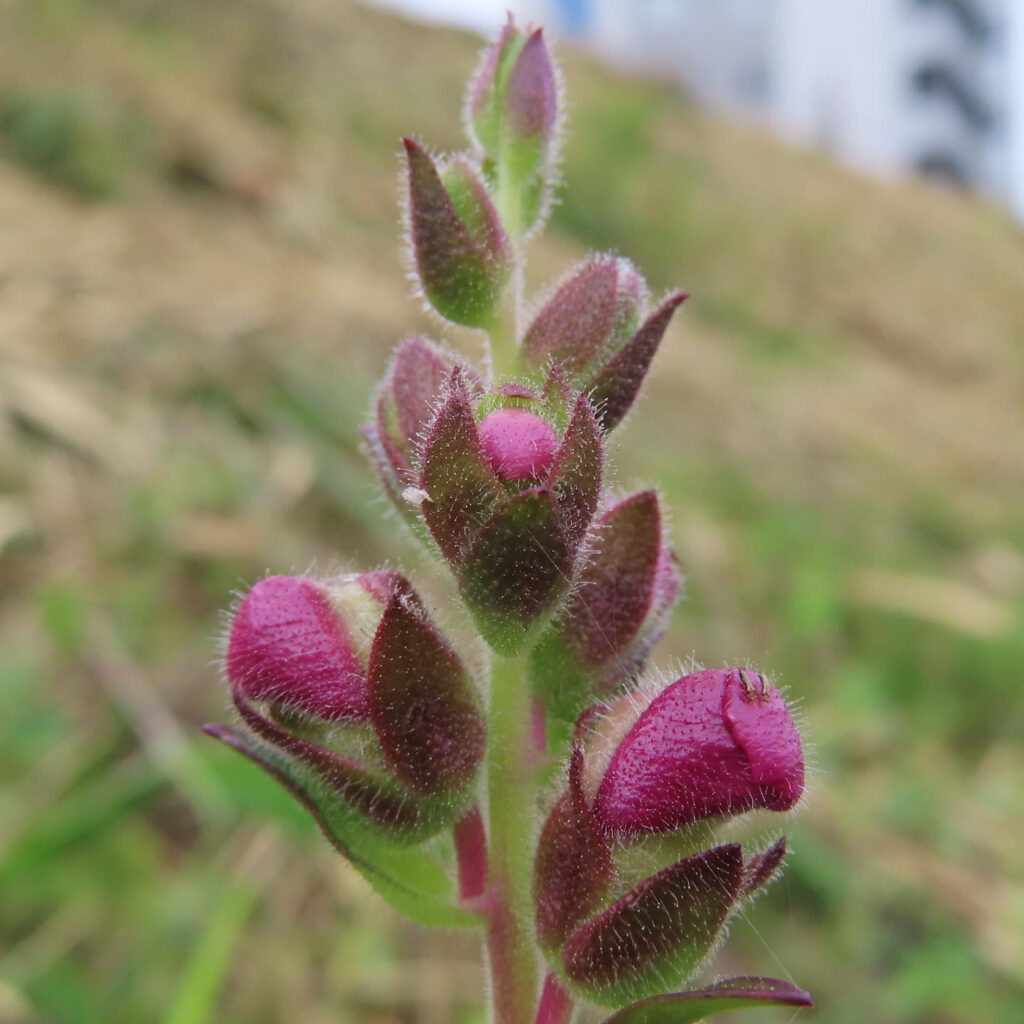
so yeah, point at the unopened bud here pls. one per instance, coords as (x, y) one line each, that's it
(462, 255)
(508, 503)
(518, 444)
(512, 116)
(359, 697)
(587, 320)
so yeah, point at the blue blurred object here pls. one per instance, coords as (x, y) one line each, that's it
(574, 16)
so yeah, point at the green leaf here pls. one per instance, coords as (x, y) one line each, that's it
(731, 994)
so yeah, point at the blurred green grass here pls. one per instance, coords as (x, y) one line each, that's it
(199, 281)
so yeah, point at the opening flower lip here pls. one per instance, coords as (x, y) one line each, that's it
(713, 743)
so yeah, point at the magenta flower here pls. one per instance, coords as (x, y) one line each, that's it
(289, 646)
(716, 742)
(710, 744)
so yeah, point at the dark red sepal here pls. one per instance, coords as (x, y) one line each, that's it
(661, 930)
(422, 703)
(614, 389)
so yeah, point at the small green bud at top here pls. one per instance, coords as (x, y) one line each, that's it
(512, 113)
(463, 258)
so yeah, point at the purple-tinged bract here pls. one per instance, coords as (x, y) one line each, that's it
(573, 866)
(624, 591)
(661, 929)
(463, 258)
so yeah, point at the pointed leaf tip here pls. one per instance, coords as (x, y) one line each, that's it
(618, 579)
(573, 865)
(576, 475)
(459, 484)
(614, 389)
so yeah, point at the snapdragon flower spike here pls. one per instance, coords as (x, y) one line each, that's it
(592, 329)
(508, 502)
(622, 597)
(512, 114)
(360, 697)
(717, 742)
(463, 257)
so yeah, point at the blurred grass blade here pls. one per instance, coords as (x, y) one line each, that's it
(210, 962)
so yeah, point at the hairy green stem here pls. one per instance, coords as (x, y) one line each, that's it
(504, 347)
(509, 201)
(511, 949)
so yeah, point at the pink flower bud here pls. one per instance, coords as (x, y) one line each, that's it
(714, 743)
(289, 646)
(392, 724)
(518, 444)
(512, 553)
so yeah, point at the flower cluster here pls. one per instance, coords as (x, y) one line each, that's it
(572, 806)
